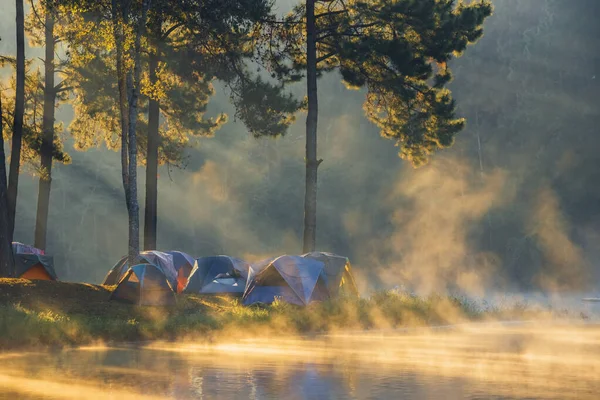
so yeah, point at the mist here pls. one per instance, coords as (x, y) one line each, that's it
(513, 205)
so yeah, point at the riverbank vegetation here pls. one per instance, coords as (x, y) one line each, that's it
(45, 314)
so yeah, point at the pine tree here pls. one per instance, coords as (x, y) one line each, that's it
(191, 44)
(33, 121)
(41, 28)
(398, 50)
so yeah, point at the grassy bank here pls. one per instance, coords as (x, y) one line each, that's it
(37, 314)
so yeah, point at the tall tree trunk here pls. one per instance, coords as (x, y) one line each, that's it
(151, 208)
(41, 223)
(17, 137)
(118, 16)
(133, 86)
(7, 264)
(312, 164)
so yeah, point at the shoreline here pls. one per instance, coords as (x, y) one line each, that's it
(52, 316)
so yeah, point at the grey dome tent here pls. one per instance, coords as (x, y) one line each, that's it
(159, 259)
(218, 275)
(184, 264)
(146, 285)
(337, 273)
(294, 279)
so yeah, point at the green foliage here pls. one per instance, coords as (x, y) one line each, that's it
(196, 43)
(222, 43)
(96, 103)
(34, 101)
(399, 51)
(262, 108)
(32, 121)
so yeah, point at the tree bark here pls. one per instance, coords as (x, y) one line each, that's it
(7, 264)
(17, 137)
(312, 164)
(151, 207)
(118, 15)
(133, 83)
(47, 149)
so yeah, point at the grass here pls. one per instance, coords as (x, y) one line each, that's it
(42, 314)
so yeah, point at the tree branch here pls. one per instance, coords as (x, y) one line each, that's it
(58, 89)
(171, 29)
(282, 22)
(350, 34)
(329, 13)
(326, 56)
(37, 15)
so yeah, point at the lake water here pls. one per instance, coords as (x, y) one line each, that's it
(475, 361)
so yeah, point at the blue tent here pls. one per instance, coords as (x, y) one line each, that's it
(294, 279)
(146, 285)
(262, 264)
(218, 275)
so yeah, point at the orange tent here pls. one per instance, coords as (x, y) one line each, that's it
(34, 266)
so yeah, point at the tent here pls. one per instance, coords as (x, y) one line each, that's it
(218, 275)
(116, 272)
(184, 264)
(337, 273)
(145, 285)
(161, 260)
(164, 262)
(34, 266)
(294, 279)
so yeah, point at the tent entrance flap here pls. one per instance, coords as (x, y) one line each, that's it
(34, 266)
(36, 272)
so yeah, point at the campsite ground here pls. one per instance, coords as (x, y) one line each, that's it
(44, 314)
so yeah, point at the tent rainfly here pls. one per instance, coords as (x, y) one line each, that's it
(184, 264)
(145, 285)
(161, 260)
(20, 248)
(218, 275)
(294, 279)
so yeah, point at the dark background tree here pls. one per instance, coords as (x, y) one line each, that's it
(17, 136)
(48, 129)
(6, 254)
(151, 206)
(42, 25)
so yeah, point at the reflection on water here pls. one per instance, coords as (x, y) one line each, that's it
(473, 361)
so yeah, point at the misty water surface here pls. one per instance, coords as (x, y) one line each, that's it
(475, 361)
